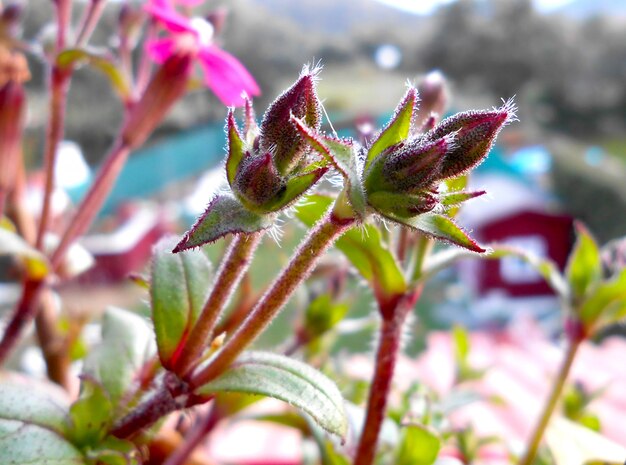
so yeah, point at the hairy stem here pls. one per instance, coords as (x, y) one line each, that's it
(302, 262)
(386, 357)
(551, 403)
(234, 265)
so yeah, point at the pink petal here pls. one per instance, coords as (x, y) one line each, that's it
(226, 76)
(171, 19)
(190, 2)
(161, 49)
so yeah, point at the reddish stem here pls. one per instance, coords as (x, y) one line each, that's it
(89, 21)
(232, 268)
(194, 438)
(59, 86)
(301, 264)
(24, 313)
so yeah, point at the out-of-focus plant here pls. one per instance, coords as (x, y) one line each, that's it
(396, 194)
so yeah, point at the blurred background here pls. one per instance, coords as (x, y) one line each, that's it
(563, 61)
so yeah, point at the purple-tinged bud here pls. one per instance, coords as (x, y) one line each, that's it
(217, 18)
(12, 100)
(400, 205)
(475, 133)
(433, 94)
(168, 84)
(279, 135)
(10, 20)
(130, 20)
(257, 181)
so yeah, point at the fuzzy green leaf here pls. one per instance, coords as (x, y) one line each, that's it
(323, 314)
(286, 379)
(235, 149)
(397, 129)
(418, 446)
(342, 155)
(584, 268)
(127, 342)
(90, 415)
(23, 443)
(103, 63)
(36, 265)
(455, 185)
(224, 215)
(364, 248)
(440, 227)
(179, 286)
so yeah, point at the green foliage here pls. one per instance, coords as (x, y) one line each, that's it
(419, 445)
(584, 269)
(286, 379)
(179, 286)
(90, 415)
(322, 314)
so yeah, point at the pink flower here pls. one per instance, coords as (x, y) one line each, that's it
(223, 73)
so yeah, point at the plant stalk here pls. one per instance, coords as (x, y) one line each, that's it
(304, 259)
(552, 401)
(231, 270)
(194, 438)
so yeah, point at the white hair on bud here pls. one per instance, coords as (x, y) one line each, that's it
(313, 68)
(510, 108)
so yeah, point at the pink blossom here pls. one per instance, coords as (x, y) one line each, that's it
(223, 73)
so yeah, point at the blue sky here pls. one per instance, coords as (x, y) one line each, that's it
(427, 6)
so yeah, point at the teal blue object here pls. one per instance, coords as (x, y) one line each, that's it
(184, 155)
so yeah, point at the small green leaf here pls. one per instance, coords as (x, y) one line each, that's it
(127, 342)
(224, 215)
(440, 227)
(103, 63)
(400, 204)
(365, 249)
(397, 129)
(286, 379)
(454, 185)
(584, 268)
(461, 343)
(90, 415)
(342, 155)
(113, 451)
(323, 314)
(28, 444)
(607, 304)
(418, 446)
(235, 149)
(36, 265)
(296, 186)
(456, 198)
(179, 287)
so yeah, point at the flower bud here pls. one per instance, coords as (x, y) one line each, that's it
(257, 181)
(130, 20)
(167, 85)
(278, 134)
(475, 133)
(10, 20)
(396, 205)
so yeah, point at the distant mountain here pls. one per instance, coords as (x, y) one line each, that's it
(337, 17)
(582, 9)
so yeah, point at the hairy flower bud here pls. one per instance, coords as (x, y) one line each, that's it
(168, 84)
(278, 134)
(257, 180)
(475, 133)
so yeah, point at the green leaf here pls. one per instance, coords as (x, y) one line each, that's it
(296, 186)
(36, 265)
(103, 63)
(235, 149)
(23, 443)
(607, 304)
(440, 227)
(179, 287)
(33, 422)
(456, 198)
(113, 451)
(33, 403)
(584, 268)
(224, 215)
(365, 249)
(323, 314)
(91, 415)
(397, 130)
(460, 337)
(570, 443)
(418, 446)
(127, 342)
(454, 185)
(342, 155)
(286, 379)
